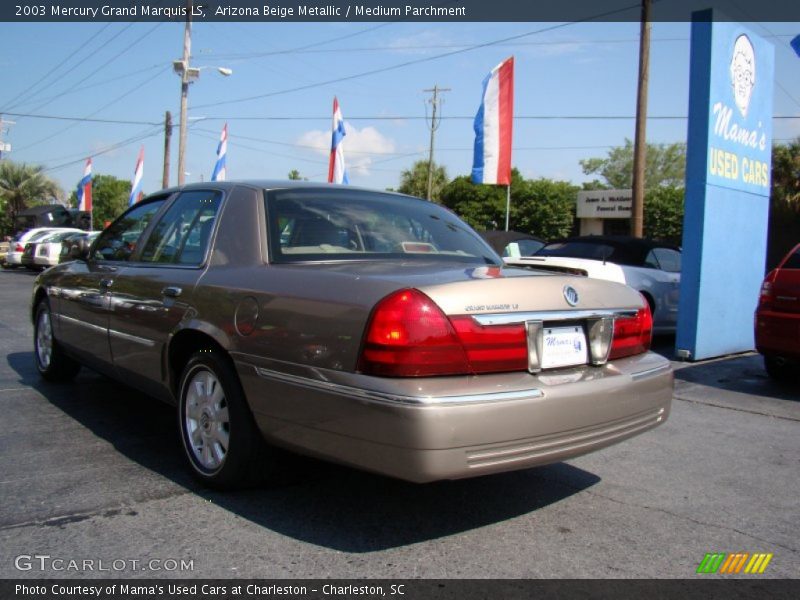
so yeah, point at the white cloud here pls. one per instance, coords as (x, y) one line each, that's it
(361, 146)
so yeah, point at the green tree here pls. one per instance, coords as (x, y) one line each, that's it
(23, 186)
(109, 198)
(784, 209)
(294, 175)
(414, 181)
(543, 207)
(663, 214)
(665, 165)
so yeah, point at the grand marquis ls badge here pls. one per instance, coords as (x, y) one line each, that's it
(571, 295)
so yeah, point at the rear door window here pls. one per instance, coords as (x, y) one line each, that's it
(182, 235)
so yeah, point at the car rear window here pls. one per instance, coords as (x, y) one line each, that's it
(342, 224)
(596, 251)
(793, 262)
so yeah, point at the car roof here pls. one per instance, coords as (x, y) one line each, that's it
(273, 184)
(627, 249)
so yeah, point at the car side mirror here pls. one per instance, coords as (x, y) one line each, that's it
(79, 250)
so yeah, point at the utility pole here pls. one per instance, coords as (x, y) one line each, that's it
(434, 125)
(185, 81)
(640, 142)
(4, 147)
(167, 138)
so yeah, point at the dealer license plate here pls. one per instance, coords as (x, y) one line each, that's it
(563, 347)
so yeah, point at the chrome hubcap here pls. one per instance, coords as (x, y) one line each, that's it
(206, 419)
(44, 340)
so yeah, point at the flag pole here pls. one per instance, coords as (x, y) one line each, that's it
(508, 203)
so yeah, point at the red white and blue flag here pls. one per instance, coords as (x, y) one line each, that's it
(85, 188)
(493, 126)
(337, 173)
(136, 183)
(220, 170)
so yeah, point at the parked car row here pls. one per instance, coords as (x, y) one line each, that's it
(43, 247)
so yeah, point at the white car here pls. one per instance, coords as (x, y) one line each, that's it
(17, 245)
(48, 249)
(652, 268)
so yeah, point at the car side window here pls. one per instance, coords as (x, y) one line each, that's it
(650, 261)
(118, 242)
(668, 259)
(182, 234)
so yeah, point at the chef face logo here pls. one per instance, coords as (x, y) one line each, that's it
(743, 73)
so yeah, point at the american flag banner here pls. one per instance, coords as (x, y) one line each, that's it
(85, 188)
(136, 183)
(220, 170)
(337, 173)
(493, 127)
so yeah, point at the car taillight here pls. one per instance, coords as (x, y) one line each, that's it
(632, 335)
(492, 348)
(765, 297)
(409, 336)
(19, 248)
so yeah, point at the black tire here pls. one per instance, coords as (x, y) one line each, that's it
(779, 369)
(222, 453)
(51, 362)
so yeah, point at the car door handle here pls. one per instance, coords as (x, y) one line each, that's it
(106, 283)
(171, 291)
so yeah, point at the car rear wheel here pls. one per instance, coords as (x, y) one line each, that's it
(50, 359)
(221, 440)
(779, 369)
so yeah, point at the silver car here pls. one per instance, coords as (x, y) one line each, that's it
(367, 328)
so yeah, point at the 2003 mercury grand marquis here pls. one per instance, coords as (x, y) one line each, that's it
(368, 328)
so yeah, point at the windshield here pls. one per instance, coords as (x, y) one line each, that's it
(341, 224)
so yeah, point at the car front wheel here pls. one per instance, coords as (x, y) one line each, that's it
(219, 434)
(50, 359)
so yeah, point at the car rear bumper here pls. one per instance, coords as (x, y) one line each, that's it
(778, 334)
(406, 428)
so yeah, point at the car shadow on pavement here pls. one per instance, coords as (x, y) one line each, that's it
(312, 501)
(744, 374)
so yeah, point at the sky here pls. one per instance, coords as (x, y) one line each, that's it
(575, 94)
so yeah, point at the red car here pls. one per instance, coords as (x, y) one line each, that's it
(777, 320)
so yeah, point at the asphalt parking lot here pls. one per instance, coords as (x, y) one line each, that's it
(93, 471)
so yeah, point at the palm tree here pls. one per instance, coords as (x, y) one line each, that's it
(414, 181)
(23, 185)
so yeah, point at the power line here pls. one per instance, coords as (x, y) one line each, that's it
(81, 119)
(462, 118)
(247, 55)
(115, 100)
(150, 132)
(40, 81)
(417, 61)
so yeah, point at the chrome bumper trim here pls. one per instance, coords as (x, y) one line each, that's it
(395, 399)
(74, 321)
(131, 338)
(650, 372)
(554, 315)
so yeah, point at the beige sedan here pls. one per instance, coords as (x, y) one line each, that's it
(362, 327)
